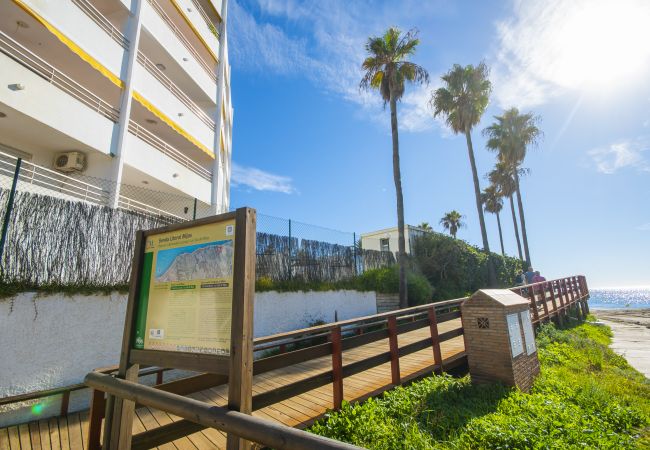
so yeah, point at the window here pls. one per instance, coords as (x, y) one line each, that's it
(384, 245)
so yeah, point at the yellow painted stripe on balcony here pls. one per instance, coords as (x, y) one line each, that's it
(71, 45)
(196, 32)
(162, 116)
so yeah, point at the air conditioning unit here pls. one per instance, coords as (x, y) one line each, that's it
(70, 162)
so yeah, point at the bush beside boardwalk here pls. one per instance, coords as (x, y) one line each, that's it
(586, 397)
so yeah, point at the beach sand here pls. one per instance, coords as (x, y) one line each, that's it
(631, 328)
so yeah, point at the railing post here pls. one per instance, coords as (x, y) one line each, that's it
(65, 402)
(337, 367)
(544, 301)
(533, 302)
(435, 341)
(159, 376)
(394, 351)
(557, 313)
(10, 206)
(97, 410)
(571, 293)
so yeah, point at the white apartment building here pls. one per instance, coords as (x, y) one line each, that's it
(123, 103)
(386, 240)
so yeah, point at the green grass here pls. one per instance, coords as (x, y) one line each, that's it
(586, 397)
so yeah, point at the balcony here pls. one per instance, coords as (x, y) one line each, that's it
(155, 86)
(82, 25)
(43, 99)
(165, 35)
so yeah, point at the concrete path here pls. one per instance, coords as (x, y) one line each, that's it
(631, 328)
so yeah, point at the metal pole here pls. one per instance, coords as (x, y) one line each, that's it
(290, 262)
(354, 250)
(194, 214)
(10, 206)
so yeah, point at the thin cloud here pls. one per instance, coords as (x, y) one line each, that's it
(260, 180)
(328, 52)
(621, 155)
(644, 227)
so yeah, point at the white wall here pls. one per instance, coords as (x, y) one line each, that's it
(55, 340)
(277, 312)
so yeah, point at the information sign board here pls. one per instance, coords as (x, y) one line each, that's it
(514, 332)
(186, 288)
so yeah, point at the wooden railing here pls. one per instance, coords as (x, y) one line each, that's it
(552, 300)
(65, 391)
(320, 341)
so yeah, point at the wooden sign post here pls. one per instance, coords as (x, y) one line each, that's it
(190, 307)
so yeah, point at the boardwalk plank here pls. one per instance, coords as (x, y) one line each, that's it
(35, 435)
(63, 433)
(14, 438)
(4, 438)
(44, 432)
(74, 431)
(55, 441)
(25, 441)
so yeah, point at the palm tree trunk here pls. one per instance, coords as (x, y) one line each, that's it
(492, 279)
(401, 242)
(514, 221)
(524, 235)
(503, 252)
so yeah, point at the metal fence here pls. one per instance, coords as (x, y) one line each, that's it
(58, 229)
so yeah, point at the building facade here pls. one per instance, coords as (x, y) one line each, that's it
(124, 103)
(386, 240)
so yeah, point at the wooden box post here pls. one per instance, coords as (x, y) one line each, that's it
(240, 379)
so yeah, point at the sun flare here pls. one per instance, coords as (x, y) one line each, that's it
(599, 43)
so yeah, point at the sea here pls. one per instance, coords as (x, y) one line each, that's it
(620, 298)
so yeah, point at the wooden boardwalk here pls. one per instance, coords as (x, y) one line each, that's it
(309, 370)
(71, 432)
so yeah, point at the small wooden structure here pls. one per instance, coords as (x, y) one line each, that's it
(499, 338)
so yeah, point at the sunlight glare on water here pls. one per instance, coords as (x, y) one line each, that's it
(632, 297)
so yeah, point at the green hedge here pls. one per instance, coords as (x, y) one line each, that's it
(456, 269)
(384, 280)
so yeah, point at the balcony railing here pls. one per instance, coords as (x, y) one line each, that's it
(178, 93)
(41, 68)
(130, 204)
(206, 18)
(42, 181)
(170, 23)
(168, 150)
(103, 22)
(38, 177)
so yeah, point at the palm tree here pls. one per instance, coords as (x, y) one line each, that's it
(452, 221)
(386, 69)
(493, 203)
(425, 226)
(510, 136)
(502, 178)
(462, 101)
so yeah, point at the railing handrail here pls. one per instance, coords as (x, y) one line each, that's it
(96, 16)
(252, 428)
(420, 309)
(179, 34)
(171, 86)
(147, 136)
(205, 17)
(50, 174)
(40, 67)
(72, 387)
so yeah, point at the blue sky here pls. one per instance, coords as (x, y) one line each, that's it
(308, 145)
